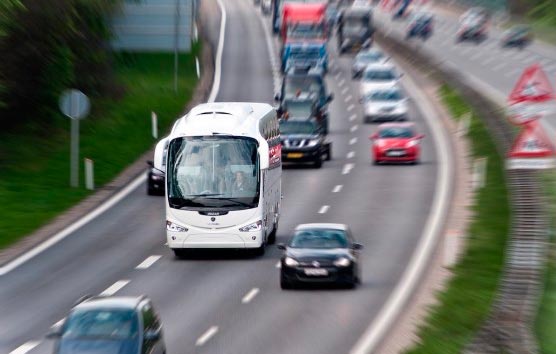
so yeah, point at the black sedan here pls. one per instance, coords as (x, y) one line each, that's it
(320, 253)
(110, 325)
(155, 180)
(517, 36)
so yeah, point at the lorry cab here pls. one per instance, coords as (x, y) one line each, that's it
(313, 55)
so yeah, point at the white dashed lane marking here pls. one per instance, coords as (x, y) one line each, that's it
(352, 141)
(25, 348)
(206, 336)
(148, 262)
(336, 189)
(114, 288)
(323, 209)
(250, 296)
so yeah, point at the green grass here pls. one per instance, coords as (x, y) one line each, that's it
(546, 319)
(465, 302)
(34, 160)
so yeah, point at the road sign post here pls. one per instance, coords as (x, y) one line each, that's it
(75, 105)
(154, 125)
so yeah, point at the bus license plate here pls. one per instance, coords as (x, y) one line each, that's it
(316, 272)
(295, 155)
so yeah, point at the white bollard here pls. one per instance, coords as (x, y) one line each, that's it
(479, 172)
(89, 174)
(154, 123)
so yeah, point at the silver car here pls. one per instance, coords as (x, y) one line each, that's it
(365, 58)
(385, 104)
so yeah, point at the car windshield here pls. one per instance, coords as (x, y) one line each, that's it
(354, 27)
(213, 172)
(291, 127)
(299, 109)
(101, 324)
(379, 75)
(384, 95)
(369, 57)
(396, 132)
(319, 239)
(298, 84)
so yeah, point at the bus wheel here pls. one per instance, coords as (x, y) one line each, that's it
(260, 250)
(179, 253)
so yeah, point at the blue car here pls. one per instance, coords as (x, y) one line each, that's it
(310, 55)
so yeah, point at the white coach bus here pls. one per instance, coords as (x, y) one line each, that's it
(223, 177)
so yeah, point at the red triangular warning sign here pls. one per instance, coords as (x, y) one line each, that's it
(532, 86)
(532, 142)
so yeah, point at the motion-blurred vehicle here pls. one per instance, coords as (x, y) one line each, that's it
(401, 10)
(320, 253)
(311, 55)
(300, 81)
(304, 141)
(473, 25)
(304, 108)
(266, 7)
(355, 28)
(517, 36)
(365, 58)
(332, 17)
(386, 104)
(420, 25)
(110, 325)
(155, 180)
(256, 2)
(378, 76)
(396, 142)
(303, 21)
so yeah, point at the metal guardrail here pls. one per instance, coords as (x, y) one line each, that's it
(508, 328)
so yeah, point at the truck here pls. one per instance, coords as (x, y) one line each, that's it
(312, 55)
(303, 21)
(355, 28)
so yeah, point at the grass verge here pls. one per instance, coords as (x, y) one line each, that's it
(465, 302)
(546, 318)
(34, 163)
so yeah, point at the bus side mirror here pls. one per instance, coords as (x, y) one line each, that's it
(277, 97)
(160, 154)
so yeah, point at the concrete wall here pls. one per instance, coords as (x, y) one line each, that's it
(151, 25)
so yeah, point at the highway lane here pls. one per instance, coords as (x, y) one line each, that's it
(386, 206)
(492, 69)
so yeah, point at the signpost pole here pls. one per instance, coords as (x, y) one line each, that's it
(74, 158)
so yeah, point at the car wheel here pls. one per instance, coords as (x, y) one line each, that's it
(285, 284)
(416, 161)
(376, 162)
(318, 162)
(329, 154)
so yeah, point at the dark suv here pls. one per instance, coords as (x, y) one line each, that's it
(304, 141)
(304, 108)
(304, 82)
(110, 325)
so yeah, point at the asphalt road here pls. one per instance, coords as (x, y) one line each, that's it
(386, 207)
(489, 67)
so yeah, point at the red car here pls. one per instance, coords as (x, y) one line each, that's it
(396, 142)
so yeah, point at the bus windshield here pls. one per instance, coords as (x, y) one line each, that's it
(213, 172)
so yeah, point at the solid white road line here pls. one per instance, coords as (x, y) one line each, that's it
(338, 188)
(352, 117)
(352, 141)
(219, 51)
(250, 296)
(130, 187)
(347, 168)
(114, 288)
(323, 209)
(350, 155)
(148, 262)
(25, 348)
(354, 128)
(419, 259)
(206, 336)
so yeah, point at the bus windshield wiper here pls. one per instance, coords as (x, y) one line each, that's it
(237, 202)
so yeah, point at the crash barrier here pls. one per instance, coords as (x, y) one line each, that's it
(509, 325)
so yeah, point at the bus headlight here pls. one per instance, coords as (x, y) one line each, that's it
(290, 262)
(170, 226)
(256, 226)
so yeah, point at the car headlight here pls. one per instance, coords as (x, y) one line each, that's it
(171, 226)
(290, 262)
(313, 142)
(157, 178)
(379, 142)
(412, 143)
(256, 226)
(342, 262)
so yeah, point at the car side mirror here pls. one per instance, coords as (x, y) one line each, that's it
(421, 136)
(400, 75)
(329, 98)
(152, 335)
(373, 136)
(277, 97)
(150, 163)
(281, 246)
(357, 246)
